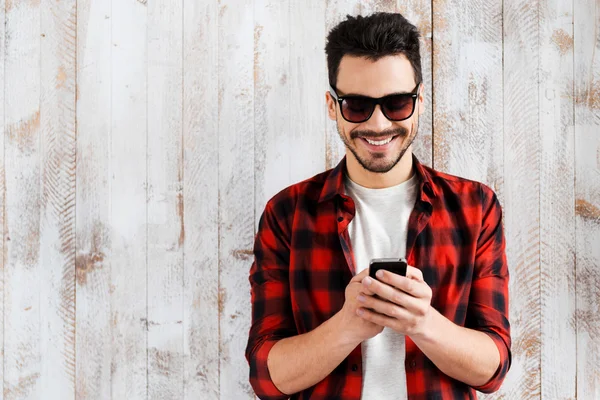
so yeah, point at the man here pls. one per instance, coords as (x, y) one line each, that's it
(321, 328)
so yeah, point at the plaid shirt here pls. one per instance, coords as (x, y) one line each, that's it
(304, 261)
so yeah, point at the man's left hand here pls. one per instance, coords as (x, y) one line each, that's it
(403, 303)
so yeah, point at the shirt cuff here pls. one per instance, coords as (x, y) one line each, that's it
(260, 378)
(505, 359)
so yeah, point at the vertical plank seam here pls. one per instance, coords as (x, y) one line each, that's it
(147, 199)
(110, 73)
(574, 100)
(75, 218)
(218, 61)
(539, 193)
(182, 218)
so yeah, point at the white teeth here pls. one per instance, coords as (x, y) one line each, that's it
(379, 143)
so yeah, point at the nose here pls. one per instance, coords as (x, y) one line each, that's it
(378, 122)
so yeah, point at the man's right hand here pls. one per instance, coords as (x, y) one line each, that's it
(354, 327)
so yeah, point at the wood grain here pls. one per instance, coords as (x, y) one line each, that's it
(57, 207)
(273, 101)
(22, 268)
(200, 197)
(236, 191)
(93, 231)
(557, 211)
(3, 246)
(522, 149)
(587, 194)
(166, 206)
(467, 82)
(128, 205)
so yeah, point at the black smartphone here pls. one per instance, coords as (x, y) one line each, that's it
(395, 265)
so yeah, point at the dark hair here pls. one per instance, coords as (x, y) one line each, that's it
(373, 37)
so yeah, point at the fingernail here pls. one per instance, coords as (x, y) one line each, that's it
(379, 274)
(361, 298)
(367, 281)
(360, 311)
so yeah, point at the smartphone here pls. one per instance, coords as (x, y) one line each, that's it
(395, 265)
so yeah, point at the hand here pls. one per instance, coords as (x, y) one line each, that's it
(402, 303)
(354, 327)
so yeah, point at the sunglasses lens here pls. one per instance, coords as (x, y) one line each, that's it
(357, 109)
(398, 107)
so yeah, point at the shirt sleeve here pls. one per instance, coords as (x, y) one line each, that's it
(488, 302)
(272, 317)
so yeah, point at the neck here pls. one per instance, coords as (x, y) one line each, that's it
(400, 173)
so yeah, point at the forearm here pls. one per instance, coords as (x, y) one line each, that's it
(299, 362)
(464, 354)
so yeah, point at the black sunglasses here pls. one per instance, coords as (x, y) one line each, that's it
(395, 107)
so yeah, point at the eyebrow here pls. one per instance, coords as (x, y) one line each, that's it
(364, 95)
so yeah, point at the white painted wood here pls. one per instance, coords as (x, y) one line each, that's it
(22, 346)
(307, 77)
(273, 102)
(3, 245)
(236, 191)
(521, 205)
(200, 199)
(166, 231)
(467, 83)
(128, 203)
(557, 211)
(93, 231)
(587, 195)
(57, 201)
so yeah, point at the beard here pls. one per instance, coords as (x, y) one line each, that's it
(376, 162)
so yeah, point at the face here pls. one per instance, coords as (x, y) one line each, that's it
(367, 142)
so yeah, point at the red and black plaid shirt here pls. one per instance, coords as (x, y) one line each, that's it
(304, 261)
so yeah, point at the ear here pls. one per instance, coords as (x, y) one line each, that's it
(421, 99)
(331, 105)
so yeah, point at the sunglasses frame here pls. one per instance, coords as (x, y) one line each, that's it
(377, 101)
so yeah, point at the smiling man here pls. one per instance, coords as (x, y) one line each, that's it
(321, 327)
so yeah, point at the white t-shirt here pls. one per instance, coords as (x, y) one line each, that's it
(379, 230)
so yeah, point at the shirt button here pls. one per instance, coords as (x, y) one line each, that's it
(340, 219)
(354, 367)
(413, 364)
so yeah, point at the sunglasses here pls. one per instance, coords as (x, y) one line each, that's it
(395, 107)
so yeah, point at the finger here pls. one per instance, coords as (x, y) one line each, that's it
(414, 273)
(376, 318)
(415, 288)
(383, 307)
(360, 276)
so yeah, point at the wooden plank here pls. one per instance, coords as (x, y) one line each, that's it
(94, 248)
(587, 194)
(467, 82)
(57, 207)
(200, 196)
(128, 190)
(166, 231)
(274, 102)
(557, 211)
(236, 191)
(307, 77)
(3, 245)
(22, 348)
(522, 145)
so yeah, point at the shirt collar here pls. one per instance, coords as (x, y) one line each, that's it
(334, 184)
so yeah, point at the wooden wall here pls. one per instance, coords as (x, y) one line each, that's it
(142, 139)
